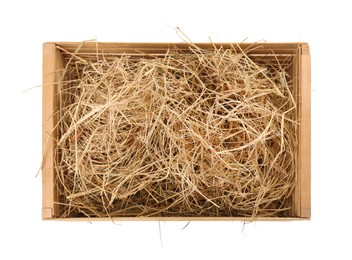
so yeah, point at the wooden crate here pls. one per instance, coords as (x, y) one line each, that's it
(55, 58)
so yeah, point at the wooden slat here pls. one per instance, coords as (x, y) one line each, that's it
(52, 63)
(180, 219)
(162, 45)
(301, 80)
(305, 134)
(91, 47)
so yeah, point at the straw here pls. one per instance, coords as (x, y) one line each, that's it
(203, 132)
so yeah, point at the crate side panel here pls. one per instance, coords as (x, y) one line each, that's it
(305, 133)
(246, 220)
(52, 63)
(91, 50)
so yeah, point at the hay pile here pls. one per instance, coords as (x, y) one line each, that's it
(196, 133)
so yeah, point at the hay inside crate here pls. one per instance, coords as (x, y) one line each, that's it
(176, 131)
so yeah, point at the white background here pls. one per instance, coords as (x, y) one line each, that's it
(25, 25)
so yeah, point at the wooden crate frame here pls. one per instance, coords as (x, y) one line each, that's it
(55, 56)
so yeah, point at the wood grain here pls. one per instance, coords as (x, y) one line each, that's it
(52, 63)
(305, 134)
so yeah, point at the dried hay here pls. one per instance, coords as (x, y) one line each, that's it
(203, 132)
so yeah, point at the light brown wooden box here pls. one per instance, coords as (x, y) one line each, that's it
(54, 59)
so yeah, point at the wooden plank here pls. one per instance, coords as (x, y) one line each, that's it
(256, 48)
(52, 63)
(85, 219)
(305, 134)
(161, 45)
